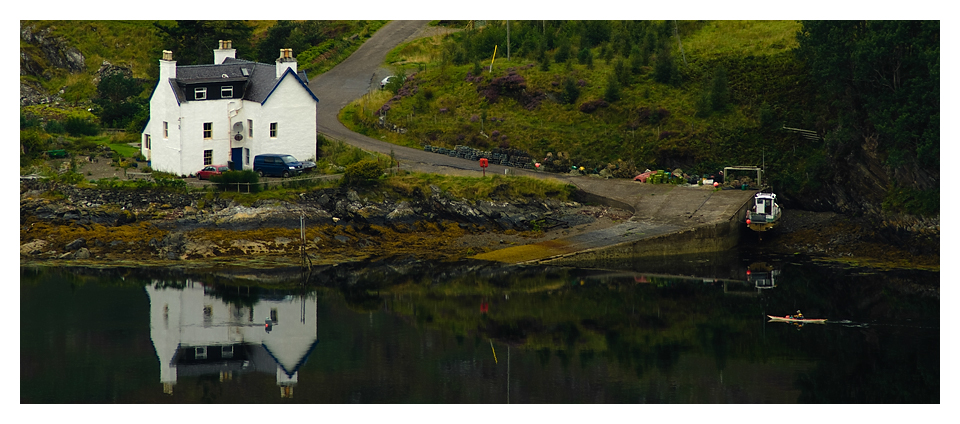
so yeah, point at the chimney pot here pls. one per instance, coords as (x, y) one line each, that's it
(167, 55)
(224, 51)
(286, 61)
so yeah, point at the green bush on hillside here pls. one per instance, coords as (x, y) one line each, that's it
(77, 126)
(243, 181)
(54, 127)
(362, 173)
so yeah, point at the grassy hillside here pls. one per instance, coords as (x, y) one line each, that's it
(133, 44)
(696, 95)
(138, 44)
(523, 104)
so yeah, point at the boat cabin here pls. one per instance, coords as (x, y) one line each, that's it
(765, 208)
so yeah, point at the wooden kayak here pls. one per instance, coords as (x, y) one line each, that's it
(801, 320)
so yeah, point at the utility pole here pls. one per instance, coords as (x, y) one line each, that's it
(677, 33)
(508, 41)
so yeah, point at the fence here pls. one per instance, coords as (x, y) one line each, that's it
(246, 187)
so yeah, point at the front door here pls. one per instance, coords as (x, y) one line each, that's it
(236, 157)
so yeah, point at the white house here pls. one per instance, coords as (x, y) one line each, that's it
(194, 332)
(228, 112)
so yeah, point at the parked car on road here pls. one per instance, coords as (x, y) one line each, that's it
(385, 81)
(209, 171)
(275, 164)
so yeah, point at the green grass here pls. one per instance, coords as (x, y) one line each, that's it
(480, 188)
(741, 38)
(124, 149)
(416, 186)
(757, 55)
(336, 155)
(320, 59)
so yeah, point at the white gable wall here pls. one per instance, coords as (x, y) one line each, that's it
(295, 111)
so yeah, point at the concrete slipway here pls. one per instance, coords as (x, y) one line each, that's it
(667, 220)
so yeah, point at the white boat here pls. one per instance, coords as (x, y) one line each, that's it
(765, 213)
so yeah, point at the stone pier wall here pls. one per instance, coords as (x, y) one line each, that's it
(705, 238)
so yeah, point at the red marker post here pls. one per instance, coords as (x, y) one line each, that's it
(483, 166)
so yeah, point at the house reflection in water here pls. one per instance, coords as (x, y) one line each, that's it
(196, 332)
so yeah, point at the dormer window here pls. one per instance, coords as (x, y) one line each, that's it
(226, 92)
(200, 93)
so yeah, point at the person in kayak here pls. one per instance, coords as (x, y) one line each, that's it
(799, 315)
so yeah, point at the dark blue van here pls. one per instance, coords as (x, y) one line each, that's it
(279, 165)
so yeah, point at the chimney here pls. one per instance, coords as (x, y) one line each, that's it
(168, 66)
(226, 50)
(286, 60)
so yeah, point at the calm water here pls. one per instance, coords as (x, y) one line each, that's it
(468, 333)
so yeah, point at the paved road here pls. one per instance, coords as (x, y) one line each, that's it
(658, 209)
(360, 74)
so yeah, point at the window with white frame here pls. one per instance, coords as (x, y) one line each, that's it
(200, 93)
(273, 130)
(166, 130)
(208, 157)
(250, 127)
(246, 156)
(207, 130)
(200, 353)
(226, 92)
(146, 141)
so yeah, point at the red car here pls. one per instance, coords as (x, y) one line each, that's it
(211, 170)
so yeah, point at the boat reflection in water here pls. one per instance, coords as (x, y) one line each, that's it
(756, 278)
(203, 330)
(762, 276)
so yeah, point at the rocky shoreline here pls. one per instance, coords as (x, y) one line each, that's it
(66, 223)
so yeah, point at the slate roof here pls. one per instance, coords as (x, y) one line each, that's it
(261, 78)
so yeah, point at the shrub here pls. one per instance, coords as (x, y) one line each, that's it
(571, 92)
(29, 121)
(651, 116)
(237, 181)
(719, 92)
(77, 126)
(622, 72)
(544, 59)
(585, 57)
(477, 69)
(33, 143)
(767, 116)
(54, 127)
(563, 52)
(593, 105)
(912, 201)
(170, 183)
(511, 85)
(665, 71)
(612, 92)
(364, 172)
